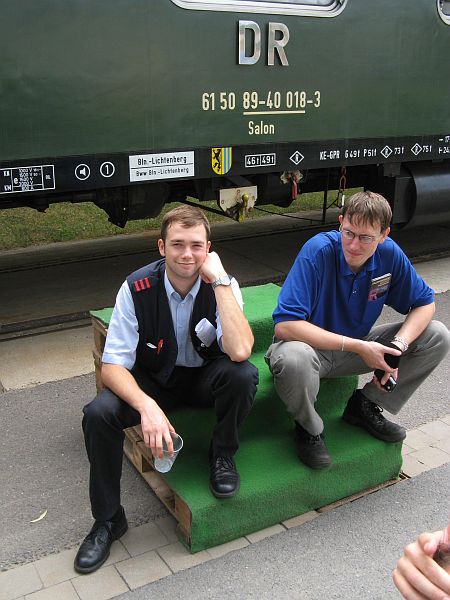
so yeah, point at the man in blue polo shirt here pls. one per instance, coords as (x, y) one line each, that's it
(324, 327)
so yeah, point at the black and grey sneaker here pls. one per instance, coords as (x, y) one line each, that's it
(311, 449)
(366, 414)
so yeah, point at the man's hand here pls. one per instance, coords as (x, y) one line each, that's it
(373, 353)
(382, 378)
(155, 424)
(156, 427)
(212, 268)
(417, 576)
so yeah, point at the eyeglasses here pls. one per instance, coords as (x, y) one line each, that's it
(364, 239)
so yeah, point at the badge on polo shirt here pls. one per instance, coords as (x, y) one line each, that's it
(379, 286)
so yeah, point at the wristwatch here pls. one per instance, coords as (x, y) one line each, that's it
(224, 280)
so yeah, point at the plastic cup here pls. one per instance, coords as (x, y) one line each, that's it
(164, 464)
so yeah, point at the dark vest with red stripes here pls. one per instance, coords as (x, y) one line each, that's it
(157, 348)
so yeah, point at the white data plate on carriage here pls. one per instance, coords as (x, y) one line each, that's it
(27, 179)
(168, 165)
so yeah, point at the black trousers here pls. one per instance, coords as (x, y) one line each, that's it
(227, 386)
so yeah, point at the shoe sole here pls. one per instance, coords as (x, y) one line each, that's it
(86, 570)
(226, 494)
(358, 423)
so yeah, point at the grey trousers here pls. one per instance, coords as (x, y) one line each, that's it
(297, 369)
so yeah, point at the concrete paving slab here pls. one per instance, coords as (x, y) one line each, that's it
(436, 273)
(431, 457)
(443, 445)
(436, 429)
(179, 558)
(417, 439)
(406, 449)
(301, 519)
(102, 585)
(223, 549)
(143, 539)
(413, 467)
(146, 568)
(168, 525)
(18, 582)
(31, 361)
(264, 533)
(56, 568)
(62, 591)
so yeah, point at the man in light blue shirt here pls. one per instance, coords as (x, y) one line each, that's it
(177, 336)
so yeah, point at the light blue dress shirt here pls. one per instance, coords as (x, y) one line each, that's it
(122, 339)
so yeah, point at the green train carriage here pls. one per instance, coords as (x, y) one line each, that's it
(135, 103)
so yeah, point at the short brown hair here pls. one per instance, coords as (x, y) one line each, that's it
(368, 207)
(187, 216)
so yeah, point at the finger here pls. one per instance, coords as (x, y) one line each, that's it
(430, 548)
(403, 586)
(385, 378)
(158, 445)
(169, 443)
(393, 351)
(429, 542)
(388, 369)
(423, 573)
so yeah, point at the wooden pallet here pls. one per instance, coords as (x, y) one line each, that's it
(363, 493)
(141, 457)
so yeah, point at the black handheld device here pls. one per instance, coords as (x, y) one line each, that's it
(392, 361)
(390, 383)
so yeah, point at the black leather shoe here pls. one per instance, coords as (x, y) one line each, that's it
(366, 414)
(311, 449)
(224, 479)
(95, 547)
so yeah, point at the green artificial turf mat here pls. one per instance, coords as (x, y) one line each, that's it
(275, 485)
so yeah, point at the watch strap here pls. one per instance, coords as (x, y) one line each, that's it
(224, 280)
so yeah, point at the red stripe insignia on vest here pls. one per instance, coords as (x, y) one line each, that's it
(142, 284)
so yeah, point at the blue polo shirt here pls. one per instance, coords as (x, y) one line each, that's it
(321, 288)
